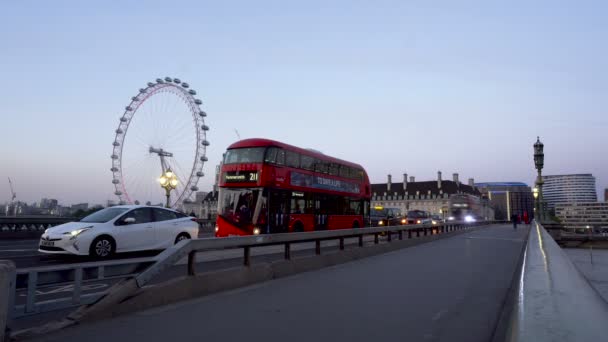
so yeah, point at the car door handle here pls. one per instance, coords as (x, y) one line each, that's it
(149, 227)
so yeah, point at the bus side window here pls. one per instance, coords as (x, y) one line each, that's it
(292, 159)
(280, 157)
(307, 163)
(320, 166)
(271, 155)
(344, 171)
(334, 169)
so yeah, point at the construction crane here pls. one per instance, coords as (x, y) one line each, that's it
(13, 197)
(13, 194)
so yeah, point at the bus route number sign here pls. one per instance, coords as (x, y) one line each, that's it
(241, 177)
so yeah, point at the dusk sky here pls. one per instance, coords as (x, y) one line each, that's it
(396, 86)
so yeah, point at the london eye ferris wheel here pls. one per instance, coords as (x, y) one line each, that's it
(162, 131)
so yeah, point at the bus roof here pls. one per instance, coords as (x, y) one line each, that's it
(259, 142)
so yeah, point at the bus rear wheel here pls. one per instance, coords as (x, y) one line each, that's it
(298, 227)
(356, 224)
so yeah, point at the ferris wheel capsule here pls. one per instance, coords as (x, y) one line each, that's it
(160, 80)
(198, 102)
(176, 80)
(185, 85)
(192, 92)
(200, 174)
(205, 127)
(205, 143)
(202, 114)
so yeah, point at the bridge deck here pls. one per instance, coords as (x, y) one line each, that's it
(448, 290)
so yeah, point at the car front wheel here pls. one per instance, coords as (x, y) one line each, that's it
(102, 247)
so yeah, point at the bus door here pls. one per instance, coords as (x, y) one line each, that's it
(321, 212)
(278, 211)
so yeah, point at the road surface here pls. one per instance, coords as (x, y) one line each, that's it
(448, 290)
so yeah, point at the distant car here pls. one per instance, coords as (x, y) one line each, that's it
(385, 217)
(127, 228)
(436, 219)
(418, 217)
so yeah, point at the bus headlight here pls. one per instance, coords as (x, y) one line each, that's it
(256, 231)
(217, 228)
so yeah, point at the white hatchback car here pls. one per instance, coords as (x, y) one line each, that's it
(125, 228)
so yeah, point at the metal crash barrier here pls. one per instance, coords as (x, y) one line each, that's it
(555, 302)
(29, 283)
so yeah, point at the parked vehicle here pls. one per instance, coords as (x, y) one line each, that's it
(126, 228)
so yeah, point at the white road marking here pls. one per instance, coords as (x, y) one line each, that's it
(439, 314)
(493, 238)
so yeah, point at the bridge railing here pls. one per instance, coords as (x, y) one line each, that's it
(555, 302)
(28, 227)
(30, 282)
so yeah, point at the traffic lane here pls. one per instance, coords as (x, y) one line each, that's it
(24, 253)
(449, 290)
(213, 264)
(206, 262)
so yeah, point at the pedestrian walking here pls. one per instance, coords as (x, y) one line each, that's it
(514, 218)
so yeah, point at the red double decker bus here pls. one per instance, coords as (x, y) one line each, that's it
(270, 187)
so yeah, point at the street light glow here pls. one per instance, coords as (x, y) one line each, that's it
(168, 181)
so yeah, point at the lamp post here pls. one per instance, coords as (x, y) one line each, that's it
(168, 181)
(539, 160)
(535, 194)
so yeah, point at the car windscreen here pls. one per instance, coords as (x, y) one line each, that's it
(416, 214)
(245, 155)
(104, 215)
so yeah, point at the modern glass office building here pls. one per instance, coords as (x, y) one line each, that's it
(562, 189)
(508, 198)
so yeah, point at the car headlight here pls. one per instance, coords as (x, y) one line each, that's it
(380, 223)
(419, 222)
(403, 221)
(74, 233)
(434, 222)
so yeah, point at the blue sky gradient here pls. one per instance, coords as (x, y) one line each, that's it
(397, 86)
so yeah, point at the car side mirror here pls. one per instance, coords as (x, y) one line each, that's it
(129, 220)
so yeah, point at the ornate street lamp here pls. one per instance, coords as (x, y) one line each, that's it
(539, 160)
(168, 181)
